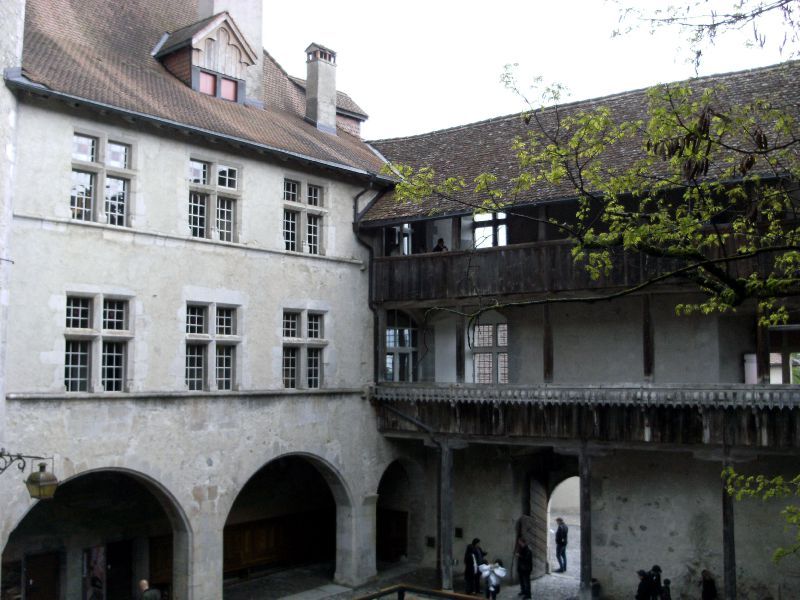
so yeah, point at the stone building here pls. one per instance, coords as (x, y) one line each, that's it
(213, 318)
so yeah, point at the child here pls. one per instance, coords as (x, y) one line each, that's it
(666, 594)
(492, 574)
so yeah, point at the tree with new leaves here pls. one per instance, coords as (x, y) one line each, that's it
(702, 183)
(773, 23)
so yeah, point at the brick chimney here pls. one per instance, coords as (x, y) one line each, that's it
(321, 88)
(248, 16)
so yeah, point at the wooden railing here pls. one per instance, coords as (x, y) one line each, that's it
(399, 591)
(535, 268)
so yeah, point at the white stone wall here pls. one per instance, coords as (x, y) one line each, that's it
(198, 449)
(158, 265)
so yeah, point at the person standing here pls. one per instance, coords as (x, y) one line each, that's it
(148, 593)
(473, 557)
(561, 545)
(524, 568)
(708, 587)
(643, 591)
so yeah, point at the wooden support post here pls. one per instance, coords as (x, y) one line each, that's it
(446, 515)
(461, 324)
(547, 344)
(455, 233)
(762, 350)
(648, 358)
(585, 471)
(728, 546)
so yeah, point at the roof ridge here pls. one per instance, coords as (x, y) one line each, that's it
(576, 103)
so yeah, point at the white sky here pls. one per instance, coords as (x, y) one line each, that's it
(421, 65)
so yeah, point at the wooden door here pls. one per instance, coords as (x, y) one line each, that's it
(43, 576)
(119, 571)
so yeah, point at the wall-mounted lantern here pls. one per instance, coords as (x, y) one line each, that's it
(41, 484)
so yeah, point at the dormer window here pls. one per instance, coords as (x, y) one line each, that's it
(214, 84)
(211, 56)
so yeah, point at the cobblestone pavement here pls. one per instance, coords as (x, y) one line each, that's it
(313, 582)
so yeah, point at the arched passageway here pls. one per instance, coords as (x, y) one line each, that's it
(399, 514)
(284, 517)
(564, 504)
(102, 532)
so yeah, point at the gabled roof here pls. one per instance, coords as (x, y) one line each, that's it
(99, 53)
(191, 34)
(485, 146)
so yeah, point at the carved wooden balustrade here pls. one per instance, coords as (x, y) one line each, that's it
(733, 415)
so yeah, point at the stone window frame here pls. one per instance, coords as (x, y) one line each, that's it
(211, 340)
(305, 347)
(306, 206)
(95, 334)
(219, 203)
(101, 170)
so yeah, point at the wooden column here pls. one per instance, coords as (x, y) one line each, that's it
(728, 546)
(455, 233)
(461, 360)
(446, 515)
(585, 471)
(547, 344)
(762, 350)
(648, 350)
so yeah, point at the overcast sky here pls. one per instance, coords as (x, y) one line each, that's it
(421, 65)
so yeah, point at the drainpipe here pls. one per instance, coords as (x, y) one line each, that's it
(370, 302)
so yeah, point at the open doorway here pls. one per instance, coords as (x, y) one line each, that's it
(564, 504)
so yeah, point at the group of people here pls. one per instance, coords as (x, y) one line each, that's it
(652, 588)
(477, 567)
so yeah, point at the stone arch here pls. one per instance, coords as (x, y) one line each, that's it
(564, 502)
(400, 512)
(271, 521)
(34, 532)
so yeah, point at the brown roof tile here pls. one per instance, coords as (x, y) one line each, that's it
(100, 51)
(485, 146)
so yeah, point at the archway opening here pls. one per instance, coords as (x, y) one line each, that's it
(284, 518)
(393, 510)
(564, 504)
(101, 533)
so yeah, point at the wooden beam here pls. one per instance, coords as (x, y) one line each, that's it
(585, 472)
(728, 546)
(461, 360)
(648, 349)
(547, 344)
(455, 233)
(446, 515)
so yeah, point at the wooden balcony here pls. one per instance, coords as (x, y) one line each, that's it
(521, 270)
(711, 415)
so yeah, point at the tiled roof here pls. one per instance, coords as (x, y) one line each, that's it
(485, 146)
(99, 51)
(343, 101)
(183, 35)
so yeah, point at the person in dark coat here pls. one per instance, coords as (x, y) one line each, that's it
(148, 593)
(473, 557)
(561, 545)
(524, 568)
(643, 591)
(708, 587)
(666, 592)
(655, 582)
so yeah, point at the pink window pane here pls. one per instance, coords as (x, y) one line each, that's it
(228, 89)
(208, 84)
